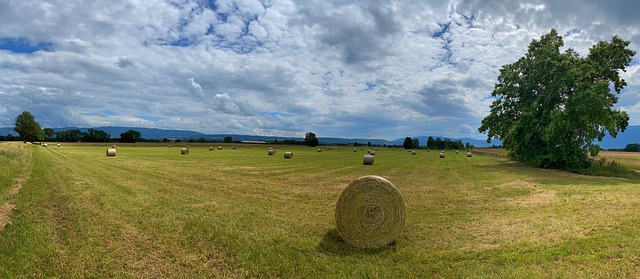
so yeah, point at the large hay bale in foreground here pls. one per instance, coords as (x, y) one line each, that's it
(111, 152)
(184, 151)
(370, 212)
(288, 155)
(368, 159)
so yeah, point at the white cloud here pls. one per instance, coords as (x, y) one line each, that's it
(387, 69)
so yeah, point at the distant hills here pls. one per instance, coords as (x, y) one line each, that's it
(631, 135)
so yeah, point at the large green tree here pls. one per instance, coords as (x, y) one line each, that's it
(130, 136)
(310, 139)
(550, 106)
(408, 143)
(28, 128)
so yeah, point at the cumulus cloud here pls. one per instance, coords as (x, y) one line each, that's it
(359, 68)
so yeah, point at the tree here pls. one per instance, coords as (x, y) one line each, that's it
(228, 139)
(415, 143)
(28, 128)
(632, 147)
(408, 143)
(550, 106)
(49, 134)
(431, 143)
(130, 136)
(311, 140)
(93, 135)
(70, 135)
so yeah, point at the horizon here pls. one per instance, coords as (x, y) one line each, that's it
(284, 68)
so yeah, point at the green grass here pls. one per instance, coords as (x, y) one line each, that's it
(151, 212)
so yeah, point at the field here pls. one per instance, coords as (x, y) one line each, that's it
(150, 212)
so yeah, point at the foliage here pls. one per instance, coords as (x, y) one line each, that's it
(408, 143)
(28, 128)
(93, 135)
(130, 136)
(444, 143)
(310, 139)
(415, 143)
(73, 135)
(551, 106)
(228, 139)
(49, 134)
(632, 147)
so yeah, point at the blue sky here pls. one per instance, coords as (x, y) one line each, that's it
(374, 69)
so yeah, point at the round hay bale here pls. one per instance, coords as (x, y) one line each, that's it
(441, 154)
(319, 149)
(113, 146)
(368, 159)
(469, 154)
(372, 152)
(188, 147)
(233, 147)
(219, 147)
(456, 151)
(58, 145)
(355, 150)
(413, 152)
(370, 212)
(184, 151)
(272, 152)
(288, 155)
(211, 148)
(111, 152)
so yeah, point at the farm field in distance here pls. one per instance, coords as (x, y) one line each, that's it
(151, 212)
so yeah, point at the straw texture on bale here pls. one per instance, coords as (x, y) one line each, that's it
(468, 154)
(288, 155)
(368, 159)
(184, 151)
(441, 154)
(370, 212)
(111, 152)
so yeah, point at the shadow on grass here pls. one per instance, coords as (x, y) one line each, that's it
(333, 244)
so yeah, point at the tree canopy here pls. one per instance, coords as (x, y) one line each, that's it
(408, 143)
(551, 106)
(310, 139)
(28, 128)
(130, 136)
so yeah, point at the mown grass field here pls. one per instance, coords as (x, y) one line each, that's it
(150, 212)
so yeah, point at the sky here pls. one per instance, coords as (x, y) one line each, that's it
(351, 69)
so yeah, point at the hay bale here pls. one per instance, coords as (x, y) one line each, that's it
(413, 152)
(355, 150)
(456, 151)
(58, 145)
(368, 159)
(233, 147)
(370, 212)
(469, 154)
(111, 152)
(272, 152)
(372, 152)
(211, 148)
(288, 155)
(441, 154)
(113, 146)
(184, 151)
(45, 145)
(319, 149)
(219, 147)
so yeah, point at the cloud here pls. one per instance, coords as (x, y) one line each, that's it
(384, 69)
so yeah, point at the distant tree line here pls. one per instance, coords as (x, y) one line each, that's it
(632, 147)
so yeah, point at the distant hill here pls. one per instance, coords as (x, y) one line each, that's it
(631, 135)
